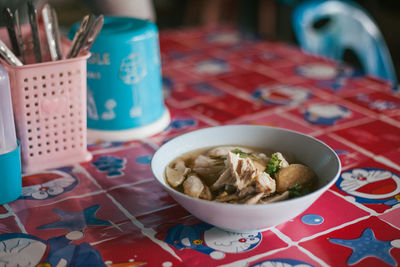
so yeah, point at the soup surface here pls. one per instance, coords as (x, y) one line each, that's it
(237, 174)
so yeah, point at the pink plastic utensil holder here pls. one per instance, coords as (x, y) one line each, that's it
(49, 103)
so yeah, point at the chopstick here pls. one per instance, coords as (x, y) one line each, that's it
(9, 20)
(19, 36)
(35, 31)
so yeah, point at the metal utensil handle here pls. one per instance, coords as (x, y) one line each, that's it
(52, 33)
(19, 36)
(79, 35)
(9, 20)
(56, 33)
(35, 31)
(92, 34)
(8, 55)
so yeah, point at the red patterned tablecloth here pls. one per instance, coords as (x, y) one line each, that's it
(111, 211)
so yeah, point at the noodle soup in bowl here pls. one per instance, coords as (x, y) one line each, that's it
(243, 214)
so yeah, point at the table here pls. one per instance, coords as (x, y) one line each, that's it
(111, 211)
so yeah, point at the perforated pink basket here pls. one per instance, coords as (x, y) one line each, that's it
(49, 102)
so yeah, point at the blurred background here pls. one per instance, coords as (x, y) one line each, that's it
(266, 19)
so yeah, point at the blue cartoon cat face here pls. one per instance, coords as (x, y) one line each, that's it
(207, 239)
(231, 242)
(48, 184)
(367, 183)
(19, 249)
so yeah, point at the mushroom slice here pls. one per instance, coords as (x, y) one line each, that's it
(250, 190)
(193, 186)
(222, 180)
(222, 151)
(176, 173)
(276, 198)
(225, 197)
(254, 199)
(207, 168)
(294, 174)
(206, 162)
(206, 193)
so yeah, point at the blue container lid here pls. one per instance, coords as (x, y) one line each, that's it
(125, 25)
(120, 27)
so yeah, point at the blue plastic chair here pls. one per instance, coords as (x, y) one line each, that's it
(348, 27)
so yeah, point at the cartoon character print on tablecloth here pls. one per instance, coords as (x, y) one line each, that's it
(167, 86)
(112, 165)
(325, 114)
(206, 89)
(267, 57)
(371, 186)
(280, 94)
(209, 240)
(19, 249)
(179, 124)
(367, 245)
(101, 144)
(328, 76)
(325, 72)
(281, 263)
(212, 66)
(378, 104)
(312, 219)
(317, 71)
(227, 38)
(75, 221)
(184, 55)
(339, 81)
(48, 184)
(346, 157)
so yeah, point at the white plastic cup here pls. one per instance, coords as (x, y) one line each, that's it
(8, 138)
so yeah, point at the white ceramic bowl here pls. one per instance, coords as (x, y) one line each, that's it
(240, 217)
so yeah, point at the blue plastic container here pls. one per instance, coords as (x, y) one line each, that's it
(125, 99)
(10, 176)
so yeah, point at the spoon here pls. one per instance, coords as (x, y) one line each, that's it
(8, 55)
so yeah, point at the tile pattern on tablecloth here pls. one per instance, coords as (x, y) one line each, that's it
(3, 210)
(111, 211)
(369, 242)
(291, 256)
